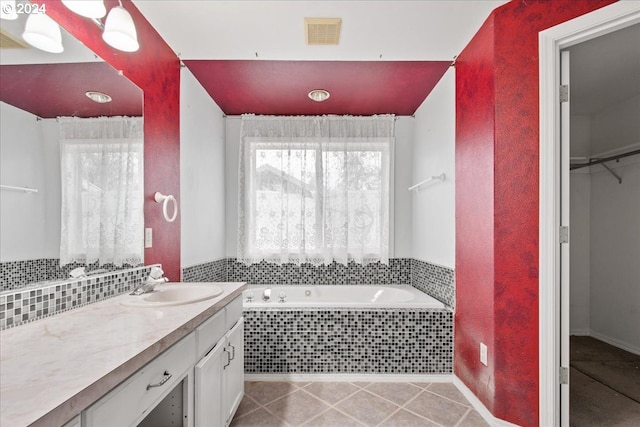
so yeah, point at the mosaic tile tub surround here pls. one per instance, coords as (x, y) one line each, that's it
(398, 341)
(23, 305)
(434, 280)
(214, 271)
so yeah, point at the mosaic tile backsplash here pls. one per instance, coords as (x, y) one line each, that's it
(398, 341)
(19, 274)
(26, 304)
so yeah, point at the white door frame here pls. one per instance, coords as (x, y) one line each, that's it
(551, 41)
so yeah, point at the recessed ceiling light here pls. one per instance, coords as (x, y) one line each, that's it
(319, 95)
(99, 97)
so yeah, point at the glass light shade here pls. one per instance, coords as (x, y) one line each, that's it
(42, 32)
(120, 31)
(319, 95)
(8, 10)
(99, 97)
(87, 8)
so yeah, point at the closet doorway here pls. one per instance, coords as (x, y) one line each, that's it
(556, 236)
(604, 193)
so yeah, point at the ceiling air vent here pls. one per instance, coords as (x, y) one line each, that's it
(322, 31)
(8, 41)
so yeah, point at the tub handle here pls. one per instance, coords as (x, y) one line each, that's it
(281, 297)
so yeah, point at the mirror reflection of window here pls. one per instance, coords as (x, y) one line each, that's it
(102, 191)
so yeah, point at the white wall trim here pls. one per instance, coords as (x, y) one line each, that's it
(615, 342)
(422, 378)
(479, 406)
(551, 41)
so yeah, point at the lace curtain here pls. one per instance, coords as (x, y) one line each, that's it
(314, 189)
(102, 190)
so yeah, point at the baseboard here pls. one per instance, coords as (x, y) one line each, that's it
(580, 332)
(616, 343)
(419, 378)
(479, 406)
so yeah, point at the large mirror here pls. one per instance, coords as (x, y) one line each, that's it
(36, 88)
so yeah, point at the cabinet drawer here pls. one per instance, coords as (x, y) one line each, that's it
(233, 312)
(128, 403)
(210, 332)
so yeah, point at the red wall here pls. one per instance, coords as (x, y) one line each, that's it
(155, 68)
(497, 155)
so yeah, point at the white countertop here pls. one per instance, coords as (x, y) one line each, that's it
(53, 368)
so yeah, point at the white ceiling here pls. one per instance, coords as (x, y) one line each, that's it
(371, 30)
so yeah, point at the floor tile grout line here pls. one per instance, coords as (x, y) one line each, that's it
(449, 399)
(249, 412)
(388, 400)
(339, 401)
(463, 417)
(423, 417)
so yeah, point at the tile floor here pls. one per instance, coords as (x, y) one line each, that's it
(345, 404)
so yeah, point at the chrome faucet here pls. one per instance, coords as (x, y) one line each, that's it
(147, 285)
(266, 295)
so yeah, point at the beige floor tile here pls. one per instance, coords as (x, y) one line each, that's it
(259, 418)
(473, 419)
(449, 391)
(333, 418)
(297, 407)
(367, 408)
(331, 392)
(246, 406)
(398, 393)
(362, 384)
(438, 409)
(264, 392)
(404, 418)
(422, 385)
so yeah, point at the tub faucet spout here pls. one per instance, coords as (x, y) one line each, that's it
(266, 295)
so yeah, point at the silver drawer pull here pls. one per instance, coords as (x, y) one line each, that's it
(228, 360)
(233, 354)
(167, 376)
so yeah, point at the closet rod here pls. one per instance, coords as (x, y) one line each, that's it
(605, 159)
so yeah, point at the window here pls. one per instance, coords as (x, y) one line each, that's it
(316, 199)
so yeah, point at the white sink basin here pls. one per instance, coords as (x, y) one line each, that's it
(169, 294)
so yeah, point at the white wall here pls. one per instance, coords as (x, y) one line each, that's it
(402, 180)
(615, 254)
(433, 215)
(202, 177)
(605, 230)
(618, 124)
(29, 156)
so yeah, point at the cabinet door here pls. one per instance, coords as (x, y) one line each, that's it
(234, 372)
(208, 387)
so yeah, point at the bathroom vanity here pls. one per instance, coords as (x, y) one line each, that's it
(109, 364)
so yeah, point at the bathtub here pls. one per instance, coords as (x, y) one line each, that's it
(355, 329)
(336, 296)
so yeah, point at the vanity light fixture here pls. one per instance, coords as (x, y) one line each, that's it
(88, 8)
(99, 97)
(120, 31)
(319, 95)
(43, 33)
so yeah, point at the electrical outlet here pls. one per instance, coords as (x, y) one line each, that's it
(148, 237)
(483, 354)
